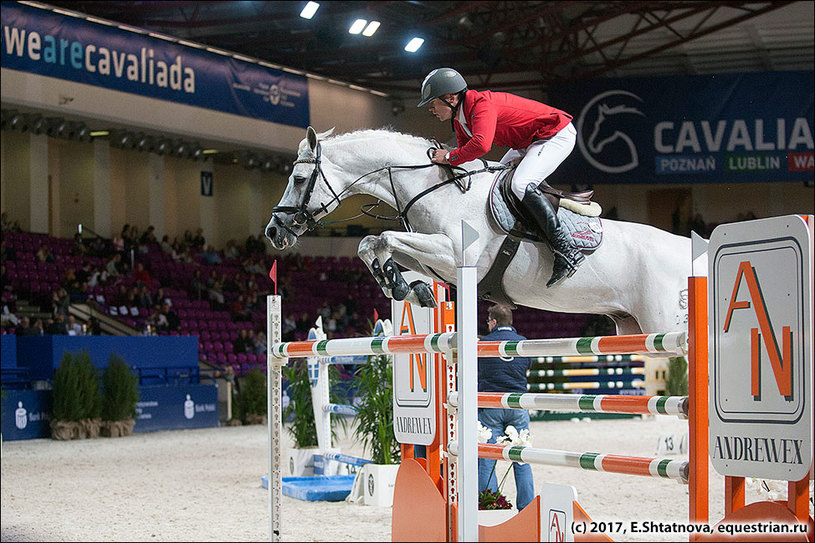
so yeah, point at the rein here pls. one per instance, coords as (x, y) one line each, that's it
(303, 216)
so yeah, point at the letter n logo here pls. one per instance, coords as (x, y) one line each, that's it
(780, 359)
(407, 326)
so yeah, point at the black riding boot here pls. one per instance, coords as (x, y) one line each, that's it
(567, 257)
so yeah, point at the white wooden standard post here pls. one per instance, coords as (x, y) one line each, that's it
(274, 413)
(466, 317)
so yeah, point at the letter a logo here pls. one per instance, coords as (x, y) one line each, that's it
(407, 326)
(780, 359)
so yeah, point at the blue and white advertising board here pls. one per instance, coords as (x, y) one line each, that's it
(43, 42)
(720, 128)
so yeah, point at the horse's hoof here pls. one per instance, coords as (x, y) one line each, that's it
(400, 292)
(423, 293)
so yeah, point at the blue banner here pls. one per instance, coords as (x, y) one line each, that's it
(43, 42)
(26, 414)
(722, 128)
(176, 407)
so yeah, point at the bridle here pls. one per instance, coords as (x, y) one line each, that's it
(302, 215)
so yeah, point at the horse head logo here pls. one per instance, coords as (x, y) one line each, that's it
(608, 148)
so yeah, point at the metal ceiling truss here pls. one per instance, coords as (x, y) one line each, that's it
(500, 44)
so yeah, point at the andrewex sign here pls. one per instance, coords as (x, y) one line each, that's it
(761, 348)
(43, 42)
(719, 128)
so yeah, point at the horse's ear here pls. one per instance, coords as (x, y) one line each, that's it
(311, 136)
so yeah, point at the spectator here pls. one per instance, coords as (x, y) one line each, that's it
(98, 247)
(79, 248)
(8, 316)
(173, 321)
(216, 294)
(141, 275)
(241, 343)
(166, 246)
(60, 302)
(161, 298)
(504, 374)
(239, 310)
(94, 326)
(73, 327)
(44, 254)
(83, 274)
(231, 250)
(288, 327)
(112, 265)
(118, 242)
(149, 236)
(197, 286)
(210, 255)
(57, 326)
(6, 252)
(259, 343)
(198, 242)
(144, 298)
(25, 328)
(158, 320)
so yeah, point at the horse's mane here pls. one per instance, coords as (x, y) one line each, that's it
(400, 143)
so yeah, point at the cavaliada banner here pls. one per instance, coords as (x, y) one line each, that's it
(47, 43)
(720, 128)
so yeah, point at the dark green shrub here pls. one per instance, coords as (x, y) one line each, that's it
(76, 388)
(120, 390)
(298, 416)
(676, 382)
(252, 399)
(374, 419)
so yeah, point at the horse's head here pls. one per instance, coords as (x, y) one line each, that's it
(308, 195)
(605, 132)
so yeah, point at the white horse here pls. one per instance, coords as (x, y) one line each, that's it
(638, 275)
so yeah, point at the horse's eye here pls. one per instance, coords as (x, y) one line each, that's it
(299, 179)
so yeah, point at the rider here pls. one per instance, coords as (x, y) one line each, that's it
(540, 135)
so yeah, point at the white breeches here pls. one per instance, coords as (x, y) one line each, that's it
(540, 159)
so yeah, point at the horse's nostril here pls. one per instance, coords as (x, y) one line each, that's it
(270, 232)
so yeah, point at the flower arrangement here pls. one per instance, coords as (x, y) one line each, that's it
(487, 499)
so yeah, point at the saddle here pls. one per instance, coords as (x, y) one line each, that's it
(578, 215)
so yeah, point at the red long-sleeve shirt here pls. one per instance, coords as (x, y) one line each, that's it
(500, 118)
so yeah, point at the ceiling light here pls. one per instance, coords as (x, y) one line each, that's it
(210, 151)
(371, 28)
(310, 9)
(39, 126)
(414, 44)
(357, 27)
(99, 133)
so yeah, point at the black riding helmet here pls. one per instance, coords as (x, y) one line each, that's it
(439, 82)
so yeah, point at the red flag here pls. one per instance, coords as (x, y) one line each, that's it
(376, 316)
(273, 276)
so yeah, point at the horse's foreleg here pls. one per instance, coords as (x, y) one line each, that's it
(433, 250)
(368, 254)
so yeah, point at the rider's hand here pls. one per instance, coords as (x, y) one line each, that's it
(439, 156)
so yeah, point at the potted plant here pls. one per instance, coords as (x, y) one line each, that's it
(298, 417)
(119, 398)
(374, 427)
(251, 401)
(77, 400)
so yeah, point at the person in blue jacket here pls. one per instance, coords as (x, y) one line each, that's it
(504, 374)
